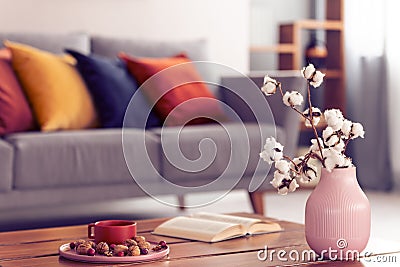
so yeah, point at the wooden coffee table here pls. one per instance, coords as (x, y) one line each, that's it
(40, 248)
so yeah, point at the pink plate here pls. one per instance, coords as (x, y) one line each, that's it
(68, 253)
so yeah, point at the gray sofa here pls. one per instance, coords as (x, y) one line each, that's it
(48, 169)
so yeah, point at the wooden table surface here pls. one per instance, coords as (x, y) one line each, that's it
(40, 248)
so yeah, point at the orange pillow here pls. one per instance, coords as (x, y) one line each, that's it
(54, 88)
(178, 94)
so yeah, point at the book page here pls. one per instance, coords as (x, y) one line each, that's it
(264, 227)
(246, 222)
(197, 229)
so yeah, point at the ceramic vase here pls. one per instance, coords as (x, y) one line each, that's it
(338, 215)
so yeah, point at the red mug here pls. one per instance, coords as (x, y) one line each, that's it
(112, 231)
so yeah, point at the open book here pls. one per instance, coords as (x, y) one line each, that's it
(211, 227)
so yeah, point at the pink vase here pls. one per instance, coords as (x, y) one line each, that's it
(337, 216)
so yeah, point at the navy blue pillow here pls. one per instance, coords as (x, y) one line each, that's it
(112, 87)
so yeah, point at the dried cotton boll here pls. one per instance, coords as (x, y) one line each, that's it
(357, 130)
(283, 191)
(316, 114)
(308, 71)
(333, 159)
(278, 178)
(309, 173)
(265, 156)
(291, 187)
(270, 86)
(347, 162)
(293, 98)
(314, 145)
(346, 128)
(297, 162)
(339, 146)
(282, 166)
(334, 119)
(317, 79)
(273, 151)
(329, 136)
(285, 99)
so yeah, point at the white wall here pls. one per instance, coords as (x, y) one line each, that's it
(223, 23)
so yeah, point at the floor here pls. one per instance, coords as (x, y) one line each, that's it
(385, 211)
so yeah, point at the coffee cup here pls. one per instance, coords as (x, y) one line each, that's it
(112, 231)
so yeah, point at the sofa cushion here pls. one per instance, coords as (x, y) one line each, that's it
(74, 158)
(55, 89)
(6, 166)
(15, 113)
(196, 50)
(55, 43)
(202, 153)
(112, 87)
(177, 92)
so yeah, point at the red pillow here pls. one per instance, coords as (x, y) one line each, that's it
(178, 94)
(15, 113)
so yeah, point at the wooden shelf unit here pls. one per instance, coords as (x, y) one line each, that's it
(290, 54)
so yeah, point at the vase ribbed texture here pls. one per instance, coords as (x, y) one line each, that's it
(338, 214)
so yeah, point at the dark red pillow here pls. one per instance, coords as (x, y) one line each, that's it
(15, 113)
(178, 94)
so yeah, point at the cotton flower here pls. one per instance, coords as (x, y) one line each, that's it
(330, 137)
(357, 130)
(314, 145)
(339, 146)
(308, 71)
(333, 158)
(269, 86)
(347, 162)
(278, 179)
(334, 118)
(315, 77)
(282, 166)
(296, 163)
(291, 187)
(309, 173)
(316, 116)
(273, 150)
(332, 142)
(346, 128)
(293, 98)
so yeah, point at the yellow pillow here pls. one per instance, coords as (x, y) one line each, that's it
(55, 89)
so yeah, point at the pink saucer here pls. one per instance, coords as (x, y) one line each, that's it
(68, 253)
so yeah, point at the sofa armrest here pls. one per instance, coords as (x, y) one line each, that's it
(244, 96)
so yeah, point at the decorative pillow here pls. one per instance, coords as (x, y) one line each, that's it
(55, 89)
(15, 113)
(112, 87)
(178, 94)
(5, 54)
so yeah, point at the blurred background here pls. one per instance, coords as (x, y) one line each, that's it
(355, 41)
